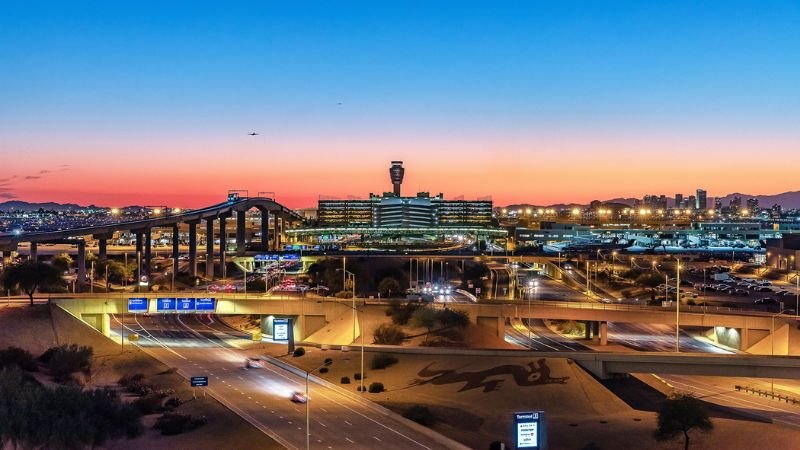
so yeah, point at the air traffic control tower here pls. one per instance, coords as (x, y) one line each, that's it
(396, 173)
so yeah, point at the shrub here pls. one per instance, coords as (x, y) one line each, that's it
(382, 361)
(328, 361)
(375, 387)
(345, 380)
(128, 379)
(172, 403)
(400, 313)
(17, 357)
(453, 318)
(387, 334)
(149, 404)
(175, 423)
(420, 414)
(323, 370)
(67, 359)
(357, 376)
(299, 351)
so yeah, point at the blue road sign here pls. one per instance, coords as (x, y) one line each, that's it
(137, 305)
(529, 430)
(205, 304)
(185, 305)
(165, 304)
(280, 329)
(198, 381)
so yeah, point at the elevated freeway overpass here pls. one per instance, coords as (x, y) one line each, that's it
(312, 315)
(281, 217)
(743, 330)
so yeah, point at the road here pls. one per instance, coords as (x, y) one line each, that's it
(657, 338)
(202, 345)
(722, 391)
(534, 335)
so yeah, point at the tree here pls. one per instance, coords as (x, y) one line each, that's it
(62, 262)
(387, 334)
(30, 276)
(425, 318)
(681, 413)
(387, 286)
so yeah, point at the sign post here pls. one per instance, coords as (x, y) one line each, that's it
(196, 382)
(282, 331)
(529, 431)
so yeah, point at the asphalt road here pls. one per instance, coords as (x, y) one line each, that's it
(534, 334)
(200, 345)
(656, 338)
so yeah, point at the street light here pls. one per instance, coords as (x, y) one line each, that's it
(327, 363)
(353, 278)
(533, 284)
(678, 307)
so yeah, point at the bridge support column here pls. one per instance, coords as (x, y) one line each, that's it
(81, 263)
(240, 223)
(210, 248)
(148, 251)
(176, 240)
(278, 232)
(603, 333)
(33, 252)
(264, 230)
(274, 231)
(595, 332)
(102, 246)
(193, 249)
(223, 244)
(139, 243)
(587, 330)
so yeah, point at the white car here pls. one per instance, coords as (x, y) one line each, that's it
(253, 363)
(299, 397)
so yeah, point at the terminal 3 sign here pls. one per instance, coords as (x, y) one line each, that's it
(173, 304)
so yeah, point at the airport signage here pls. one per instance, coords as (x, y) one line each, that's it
(199, 381)
(137, 305)
(267, 257)
(529, 430)
(185, 305)
(205, 304)
(167, 304)
(280, 329)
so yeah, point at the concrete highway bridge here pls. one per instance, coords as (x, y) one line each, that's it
(752, 330)
(281, 218)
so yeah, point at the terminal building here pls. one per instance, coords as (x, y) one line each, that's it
(426, 216)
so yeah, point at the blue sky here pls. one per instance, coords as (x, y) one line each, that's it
(100, 77)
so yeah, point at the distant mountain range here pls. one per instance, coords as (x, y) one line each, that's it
(788, 200)
(18, 205)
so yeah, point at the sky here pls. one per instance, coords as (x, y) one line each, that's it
(150, 102)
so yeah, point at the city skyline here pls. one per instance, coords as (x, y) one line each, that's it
(152, 104)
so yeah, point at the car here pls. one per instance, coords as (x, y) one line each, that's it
(764, 289)
(785, 294)
(253, 363)
(741, 292)
(766, 301)
(765, 283)
(299, 397)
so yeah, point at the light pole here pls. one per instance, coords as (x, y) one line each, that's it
(308, 401)
(613, 260)
(678, 306)
(352, 276)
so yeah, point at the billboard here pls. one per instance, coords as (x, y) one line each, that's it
(529, 430)
(205, 305)
(165, 304)
(280, 329)
(137, 305)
